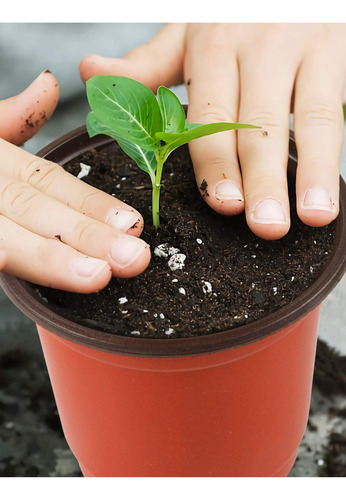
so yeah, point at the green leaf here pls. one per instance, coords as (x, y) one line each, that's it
(172, 112)
(127, 107)
(195, 131)
(146, 160)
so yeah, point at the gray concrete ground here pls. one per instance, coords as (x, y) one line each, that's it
(60, 48)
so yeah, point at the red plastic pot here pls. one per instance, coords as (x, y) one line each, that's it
(234, 403)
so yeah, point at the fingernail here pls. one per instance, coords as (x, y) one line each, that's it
(87, 267)
(126, 249)
(122, 219)
(269, 211)
(227, 190)
(318, 198)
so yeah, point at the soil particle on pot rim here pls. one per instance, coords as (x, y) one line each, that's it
(225, 276)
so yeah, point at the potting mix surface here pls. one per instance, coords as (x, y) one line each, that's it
(208, 272)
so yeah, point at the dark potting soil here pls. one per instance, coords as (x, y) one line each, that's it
(229, 276)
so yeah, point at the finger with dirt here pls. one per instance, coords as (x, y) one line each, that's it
(24, 114)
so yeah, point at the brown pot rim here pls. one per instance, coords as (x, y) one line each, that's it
(24, 297)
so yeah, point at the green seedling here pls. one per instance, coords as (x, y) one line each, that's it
(146, 127)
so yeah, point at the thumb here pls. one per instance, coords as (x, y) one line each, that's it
(158, 62)
(24, 114)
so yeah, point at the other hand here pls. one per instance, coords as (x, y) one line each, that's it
(55, 230)
(254, 73)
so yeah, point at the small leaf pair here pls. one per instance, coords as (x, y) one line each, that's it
(147, 128)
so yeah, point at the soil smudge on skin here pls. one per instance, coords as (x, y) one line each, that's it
(203, 188)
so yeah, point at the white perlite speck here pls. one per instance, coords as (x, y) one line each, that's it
(182, 291)
(177, 261)
(199, 241)
(122, 300)
(165, 250)
(206, 287)
(84, 170)
(135, 332)
(169, 331)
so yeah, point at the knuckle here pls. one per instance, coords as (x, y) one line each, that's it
(271, 126)
(219, 162)
(39, 173)
(273, 34)
(85, 201)
(322, 114)
(17, 199)
(214, 113)
(85, 231)
(264, 118)
(213, 37)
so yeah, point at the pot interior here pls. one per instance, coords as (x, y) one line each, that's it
(25, 295)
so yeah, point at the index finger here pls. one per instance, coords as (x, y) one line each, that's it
(52, 180)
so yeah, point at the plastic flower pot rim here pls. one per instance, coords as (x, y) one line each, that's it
(24, 296)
